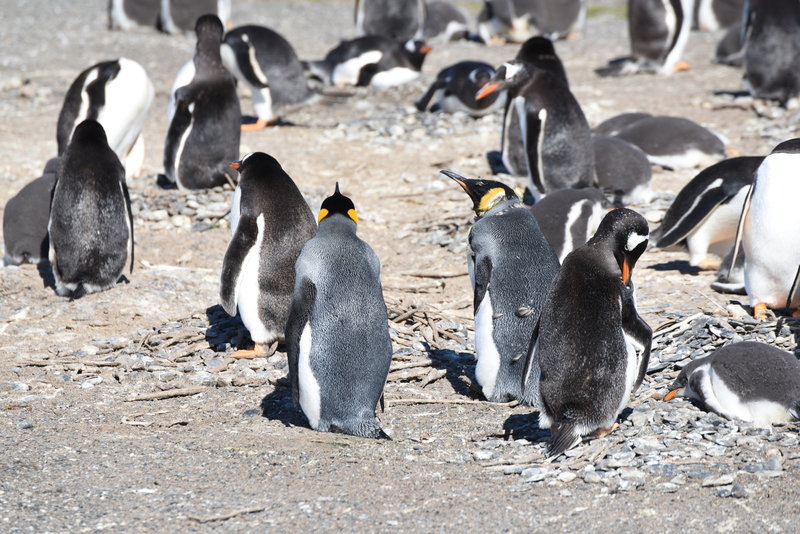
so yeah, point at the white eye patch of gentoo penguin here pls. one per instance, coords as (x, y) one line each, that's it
(710, 15)
(766, 234)
(622, 171)
(545, 134)
(511, 265)
(445, 22)
(117, 94)
(25, 219)
(270, 223)
(267, 63)
(569, 217)
(180, 16)
(590, 348)
(519, 20)
(128, 14)
(337, 336)
(455, 89)
(91, 225)
(750, 381)
(704, 215)
(397, 20)
(371, 60)
(659, 30)
(772, 46)
(204, 132)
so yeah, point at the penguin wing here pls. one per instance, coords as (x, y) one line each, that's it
(305, 294)
(532, 127)
(737, 243)
(243, 240)
(530, 380)
(181, 121)
(793, 300)
(636, 330)
(483, 272)
(422, 103)
(130, 218)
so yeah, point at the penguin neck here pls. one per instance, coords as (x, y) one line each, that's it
(207, 58)
(337, 224)
(415, 58)
(502, 207)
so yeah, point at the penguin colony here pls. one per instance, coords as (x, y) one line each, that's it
(556, 324)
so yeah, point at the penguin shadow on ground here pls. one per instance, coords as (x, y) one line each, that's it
(681, 266)
(524, 426)
(46, 273)
(459, 370)
(223, 329)
(278, 406)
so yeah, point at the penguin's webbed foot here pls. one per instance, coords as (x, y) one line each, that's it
(682, 66)
(260, 124)
(709, 264)
(259, 350)
(603, 432)
(760, 311)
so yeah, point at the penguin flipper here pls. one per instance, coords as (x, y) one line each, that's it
(244, 239)
(533, 135)
(181, 120)
(793, 300)
(530, 381)
(639, 331)
(130, 218)
(566, 437)
(700, 211)
(422, 103)
(740, 227)
(305, 295)
(483, 272)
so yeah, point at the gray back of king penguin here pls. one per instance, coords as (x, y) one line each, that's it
(91, 224)
(337, 336)
(584, 360)
(398, 20)
(203, 136)
(273, 222)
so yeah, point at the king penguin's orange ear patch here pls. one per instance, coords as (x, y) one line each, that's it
(322, 214)
(353, 215)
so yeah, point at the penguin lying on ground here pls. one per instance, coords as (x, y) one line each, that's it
(397, 20)
(338, 336)
(622, 171)
(128, 14)
(25, 219)
(518, 20)
(455, 89)
(91, 224)
(270, 223)
(617, 123)
(750, 381)
(511, 266)
(179, 16)
(590, 349)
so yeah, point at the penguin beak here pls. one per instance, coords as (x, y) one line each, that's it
(488, 89)
(626, 271)
(235, 165)
(425, 49)
(457, 178)
(671, 395)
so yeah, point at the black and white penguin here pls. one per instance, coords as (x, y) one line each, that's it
(117, 94)
(730, 49)
(772, 49)
(180, 16)
(399, 21)
(623, 171)
(710, 15)
(204, 132)
(750, 381)
(659, 30)
(545, 134)
(590, 348)
(519, 20)
(511, 266)
(91, 224)
(128, 14)
(569, 217)
(455, 89)
(267, 63)
(371, 60)
(270, 223)
(771, 244)
(25, 219)
(445, 22)
(338, 336)
(617, 123)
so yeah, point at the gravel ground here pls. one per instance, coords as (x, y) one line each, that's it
(124, 412)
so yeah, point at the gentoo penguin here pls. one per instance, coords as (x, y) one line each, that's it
(25, 219)
(371, 60)
(730, 49)
(617, 123)
(203, 136)
(337, 336)
(590, 348)
(267, 63)
(771, 243)
(710, 15)
(128, 14)
(545, 134)
(674, 142)
(91, 224)
(623, 171)
(518, 20)
(399, 21)
(750, 381)
(659, 30)
(772, 46)
(445, 22)
(704, 215)
(180, 16)
(455, 89)
(569, 217)
(270, 223)
(511, 265)
(117, 94)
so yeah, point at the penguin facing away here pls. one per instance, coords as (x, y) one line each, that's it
(128, 14)
(204, 132)
(590, 349)
(455, 89)
(270, 223)
(397, 20)
(623, 171)
(337, 336)
(750, 381)
(511, 266)
(91, 224)
(180, 16)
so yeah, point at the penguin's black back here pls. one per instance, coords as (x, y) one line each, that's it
(25, 219)
(184, 13)
(540, 52)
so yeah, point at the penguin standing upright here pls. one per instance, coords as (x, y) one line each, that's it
(511, 266)
(204, 132)
(590, 349)
(569, 217)
(518, 20)
(270, 224)
(117, 94)
(91, 224)
(179, 16)
(338, 336)
(771, 243)
(397, 20)
(710, 15)
(455, 89)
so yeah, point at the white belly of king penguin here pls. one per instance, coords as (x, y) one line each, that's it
(488, 356)
(310, 399)
(247, 290)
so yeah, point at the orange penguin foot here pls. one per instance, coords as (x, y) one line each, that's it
(259, 350)
(709, 264)
(796, 313)
(682, 65)
(603, 432)
(760, 311)
(260, 124)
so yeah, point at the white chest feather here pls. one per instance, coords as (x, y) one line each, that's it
(392, 77)
(247, 290)
(488, 356)
(572, 217)
(310, 401)
(128, 98)
(347, 72)
(718, 231)
(236, 208)
(182, 79)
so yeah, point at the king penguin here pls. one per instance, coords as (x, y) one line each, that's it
(338, 336)
(91, 224)
(204, 132)
(397, 20)
(590, 349)
(118, 95)
(455, 89)
(180, 16)
(511, 266)
(270, 223)
(750, 381)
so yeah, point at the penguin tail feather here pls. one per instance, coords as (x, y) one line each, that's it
(79, 292)
(566, 438)
(365, 429)
(795, 410)
(619, 67)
